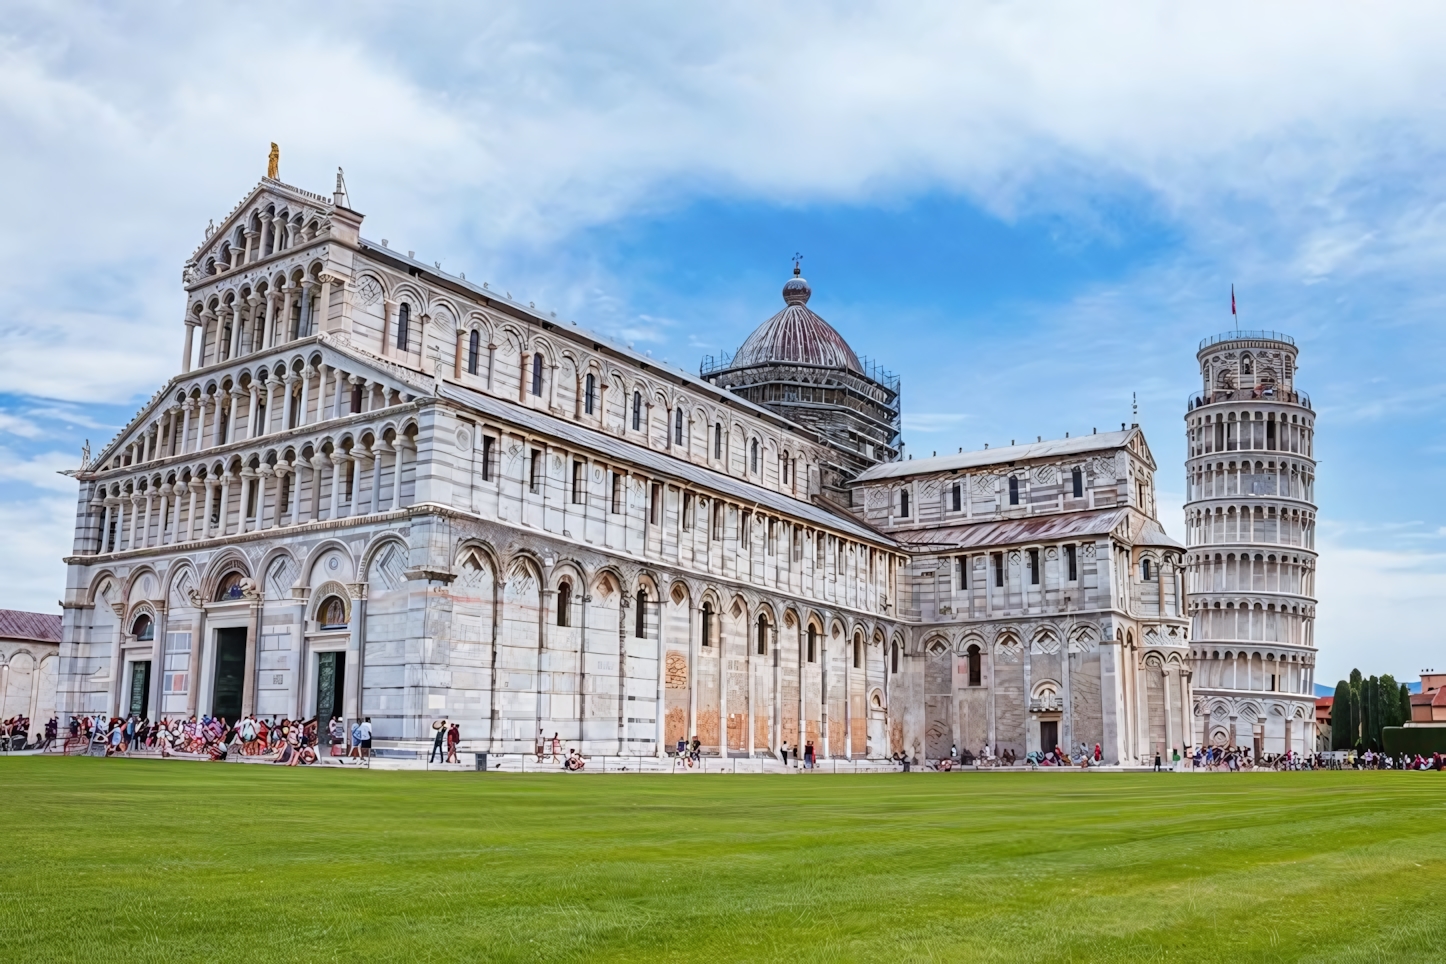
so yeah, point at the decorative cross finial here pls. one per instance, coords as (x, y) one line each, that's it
(796, 259)
(273, 162)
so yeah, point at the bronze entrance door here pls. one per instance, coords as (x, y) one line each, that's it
(140, 689)
(1048, 735)
(230, 674)
(330, 685)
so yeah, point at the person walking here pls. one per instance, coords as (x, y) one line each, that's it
(556, 749)
(454, 736)
(1157, 761)
(784, 752)
(541, 746)
(366, 739)
(440, 729)
(808, 755)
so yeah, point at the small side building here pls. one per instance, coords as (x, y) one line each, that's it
(29, 660)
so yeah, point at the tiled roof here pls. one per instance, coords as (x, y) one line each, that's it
(18, 624)
(997, 532)
(1055, 448)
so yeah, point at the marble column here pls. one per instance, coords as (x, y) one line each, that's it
(225, 506)
(253, 411)
(187, 407)
(191, 324)
(306, 374)
(248, 484)
(338, 471)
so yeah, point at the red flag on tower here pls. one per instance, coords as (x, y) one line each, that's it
(1232, 300)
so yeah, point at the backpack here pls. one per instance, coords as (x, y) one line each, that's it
(356, 733)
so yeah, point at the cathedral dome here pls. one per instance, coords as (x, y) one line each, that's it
(797, 335)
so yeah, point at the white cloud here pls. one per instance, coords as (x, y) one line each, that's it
(40, 471)
(928, 422)
(38, 532)
(469, 129)
(1378, 611)
(15, 425)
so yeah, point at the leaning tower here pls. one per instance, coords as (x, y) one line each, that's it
(1250, 524)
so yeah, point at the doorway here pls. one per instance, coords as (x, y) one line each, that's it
(230, 674)
(140, 689)
(330, 687)
(1048, 735)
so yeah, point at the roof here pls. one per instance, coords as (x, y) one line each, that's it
(1324, 702)
(1153, 534)
(1007, 531)
(1439, 697)
(664, 465)
(1012, 453)
(40, 627)
(796, 335)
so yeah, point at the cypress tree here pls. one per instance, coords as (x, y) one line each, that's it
(1356, 680)
(1405, 703)
(1341, 717)
(1373, 711)
(1390, 705)
(1355, 717)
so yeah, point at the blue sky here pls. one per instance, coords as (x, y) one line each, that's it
(1028, 212)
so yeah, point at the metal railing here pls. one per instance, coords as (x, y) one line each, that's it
(1260, 393)
(1245, 336)
(872, 370)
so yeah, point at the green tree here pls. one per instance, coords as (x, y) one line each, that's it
(1405, 703)
(1390, 705)
(1356, 736)
(1356, 680)
(1373, 712)
(1342, 738)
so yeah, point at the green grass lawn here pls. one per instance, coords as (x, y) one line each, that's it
(137, 860)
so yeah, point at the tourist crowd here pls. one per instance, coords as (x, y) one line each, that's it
(284, 741)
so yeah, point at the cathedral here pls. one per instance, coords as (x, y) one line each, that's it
(376, 489)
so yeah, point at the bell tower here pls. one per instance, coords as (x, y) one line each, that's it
(1250, 531)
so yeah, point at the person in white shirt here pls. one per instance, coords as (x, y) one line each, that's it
(366, 738)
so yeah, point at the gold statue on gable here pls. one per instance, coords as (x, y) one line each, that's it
(273, 162)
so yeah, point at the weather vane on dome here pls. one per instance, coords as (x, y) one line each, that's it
(797, 258)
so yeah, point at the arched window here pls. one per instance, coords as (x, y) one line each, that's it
(474, 349)
(230, 587)
(404, 323)
(894, 658)
(1013, 491)
(812, 645)
(753, 457)
(1077, 479)
(858, 652)
(332, 613)
(762, 648)
(678, 426)
(564, 604)
(785, 468)
(718, 440)
(904, 503)
(1145, 569)
(1247, 365)
(707, 624)
(640, 621)
(537, 373)
(976, 673)
(143, 629)
(637, 411)
(589, 393)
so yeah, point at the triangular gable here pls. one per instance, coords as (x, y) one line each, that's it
(283, 194)
(333, 349)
